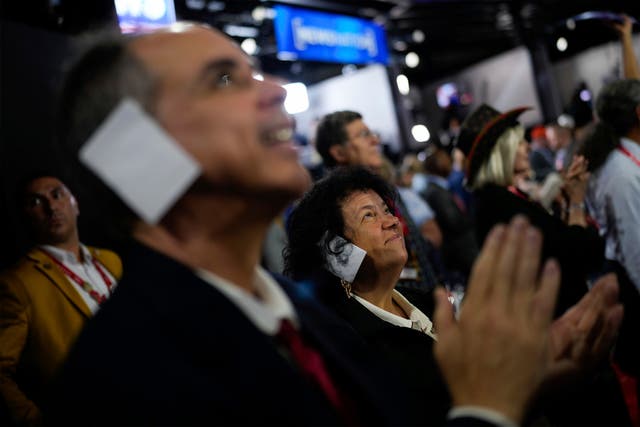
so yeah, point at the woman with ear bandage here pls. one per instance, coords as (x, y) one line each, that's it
(344, 241)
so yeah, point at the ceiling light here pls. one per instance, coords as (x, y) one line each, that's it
(215, 6)
(571, 24)
(400, 45)
(403, 84)
(418, 36)
(412, 60)
(420, 133)
(562, 44)
(195, 4)
(349, 69)
(249, 46)
(585, 95)
(297, 99)
(259, 13)
(240, 31)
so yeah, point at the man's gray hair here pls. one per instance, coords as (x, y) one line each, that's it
(616, 105)
(105, 73)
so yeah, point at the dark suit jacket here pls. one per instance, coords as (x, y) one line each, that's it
(579, 250)
(410, 351)
(169, 349)
(459, 245)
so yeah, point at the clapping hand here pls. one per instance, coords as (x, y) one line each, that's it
(497, 355)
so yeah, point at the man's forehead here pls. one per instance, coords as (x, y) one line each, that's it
(190, 42)
(43, 184)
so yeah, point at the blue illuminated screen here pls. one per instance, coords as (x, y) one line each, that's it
(319, 36)
(143, 15)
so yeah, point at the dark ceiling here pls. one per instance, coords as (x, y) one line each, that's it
(458, 33)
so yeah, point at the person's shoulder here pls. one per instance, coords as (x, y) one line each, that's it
(492, 192)
(25, 265)
(110, 259)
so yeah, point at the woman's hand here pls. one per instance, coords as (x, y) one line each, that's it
(575, 180)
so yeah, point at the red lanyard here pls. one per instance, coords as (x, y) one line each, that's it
(517, 192)
(627, 153)
(86, 286)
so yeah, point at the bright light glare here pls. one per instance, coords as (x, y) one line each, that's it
(259, 13)
(562, 44)
(249, 46)
(585, 95)
(403, 84)
(571, 24)
(297, 99)
(420, 133)
(154, 9)
(412, 60)
(418, 36)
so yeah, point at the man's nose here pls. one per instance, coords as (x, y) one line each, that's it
(271, 92)
(50, 205)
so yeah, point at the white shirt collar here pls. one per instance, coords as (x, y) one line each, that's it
(68, 256)
(417, 319)
(265, 311)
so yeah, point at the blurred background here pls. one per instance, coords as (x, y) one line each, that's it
(410, 66)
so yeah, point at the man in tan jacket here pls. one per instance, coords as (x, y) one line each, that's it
(47, 297)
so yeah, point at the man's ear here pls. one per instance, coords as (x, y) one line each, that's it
(339, 153)
(74, 203)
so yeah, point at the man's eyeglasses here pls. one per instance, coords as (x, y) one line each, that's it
(366, 133)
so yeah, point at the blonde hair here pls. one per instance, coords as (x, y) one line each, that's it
(498, 168)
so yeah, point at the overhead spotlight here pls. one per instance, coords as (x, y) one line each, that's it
(349, 69)
(258, 14)
(412, 60)
(297, 99)
(420, 133)
(215, 6)
(403, 84)
(195, 4)
(240, 31)
(400, 45)
(562, 44)
(418, 36)
(154, 9)
(571, 24)
(249, 46)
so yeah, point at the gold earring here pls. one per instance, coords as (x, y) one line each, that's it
(346, 286)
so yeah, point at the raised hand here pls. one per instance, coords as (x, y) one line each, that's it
(585, 333)
(497, 355)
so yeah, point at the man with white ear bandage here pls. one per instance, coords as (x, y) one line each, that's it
(198, 333)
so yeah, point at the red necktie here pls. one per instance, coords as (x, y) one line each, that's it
(311, 364)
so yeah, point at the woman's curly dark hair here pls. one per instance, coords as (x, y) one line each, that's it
(319, 212)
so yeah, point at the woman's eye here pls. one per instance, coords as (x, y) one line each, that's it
(368, 215)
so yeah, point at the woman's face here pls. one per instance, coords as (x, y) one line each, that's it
(521, 166)
(369, 224)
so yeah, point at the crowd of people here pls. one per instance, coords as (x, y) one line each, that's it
(187, 325)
